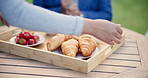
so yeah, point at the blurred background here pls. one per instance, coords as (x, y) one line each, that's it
(131, 14)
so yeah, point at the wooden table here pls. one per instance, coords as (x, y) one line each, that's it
(129, 61)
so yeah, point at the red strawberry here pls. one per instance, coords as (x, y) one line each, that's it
(22, 41)
(21, 35)
(36, 38)
(31, 41)
(32, 35)
(17, 39)
(27, 35)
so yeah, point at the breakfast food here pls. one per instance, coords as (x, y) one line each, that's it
(70, 44)
(57, 40)
(67, 37)
(22, 41)
(25, 38)
(87, 45)
(70, 47)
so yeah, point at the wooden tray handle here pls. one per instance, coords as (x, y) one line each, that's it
(10, 32)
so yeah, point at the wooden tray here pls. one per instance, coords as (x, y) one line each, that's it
(41, 53)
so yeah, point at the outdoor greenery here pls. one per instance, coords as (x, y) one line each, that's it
(131, 14)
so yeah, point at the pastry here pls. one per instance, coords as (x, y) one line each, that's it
(70, 47)
(87, 45)
(55, 42)
(67, 37)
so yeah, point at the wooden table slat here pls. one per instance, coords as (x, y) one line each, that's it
(14, 75)
(46, 72)
(127, 50)
(142, 44)
(140, 72)
(121, 62)
(116, 69)
(123, 56)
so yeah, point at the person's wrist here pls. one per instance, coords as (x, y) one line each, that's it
(87, 29)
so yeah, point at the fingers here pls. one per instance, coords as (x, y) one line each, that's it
(113, 38)
(119, 29)
(116, 40)
(111, 42)
(73, 7)
(7, 24)
(117, 35)
(108, 41)
(70, 9)
(2, 20)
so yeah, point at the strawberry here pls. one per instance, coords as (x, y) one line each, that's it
(36, 38)
(31, 41)
(17, 39)
(22, 41)
(27, 35)
(32, 35)
(21, 35)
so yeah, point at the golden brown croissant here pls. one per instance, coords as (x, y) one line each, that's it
(67, 37)
(87, 45)
(55, 42)
(70, 47)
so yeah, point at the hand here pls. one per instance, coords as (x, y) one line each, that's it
(65, 5)
(4, 22)
(73, 10)
(104, 30)
(70, 8)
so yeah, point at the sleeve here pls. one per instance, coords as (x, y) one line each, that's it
(22, 14)
(104, 11)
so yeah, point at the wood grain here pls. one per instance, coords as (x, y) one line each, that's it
(142, 44)
(140, 72)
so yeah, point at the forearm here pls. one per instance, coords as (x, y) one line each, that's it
(97, 15)
(24, 15)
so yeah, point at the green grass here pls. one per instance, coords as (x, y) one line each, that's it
(131, 14)
(30, 1)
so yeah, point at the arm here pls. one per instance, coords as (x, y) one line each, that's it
(25, 15)
(104, 11)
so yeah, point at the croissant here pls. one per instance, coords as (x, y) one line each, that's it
(55, 42)
(70, 47)
(87, 45)
(67, 37)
